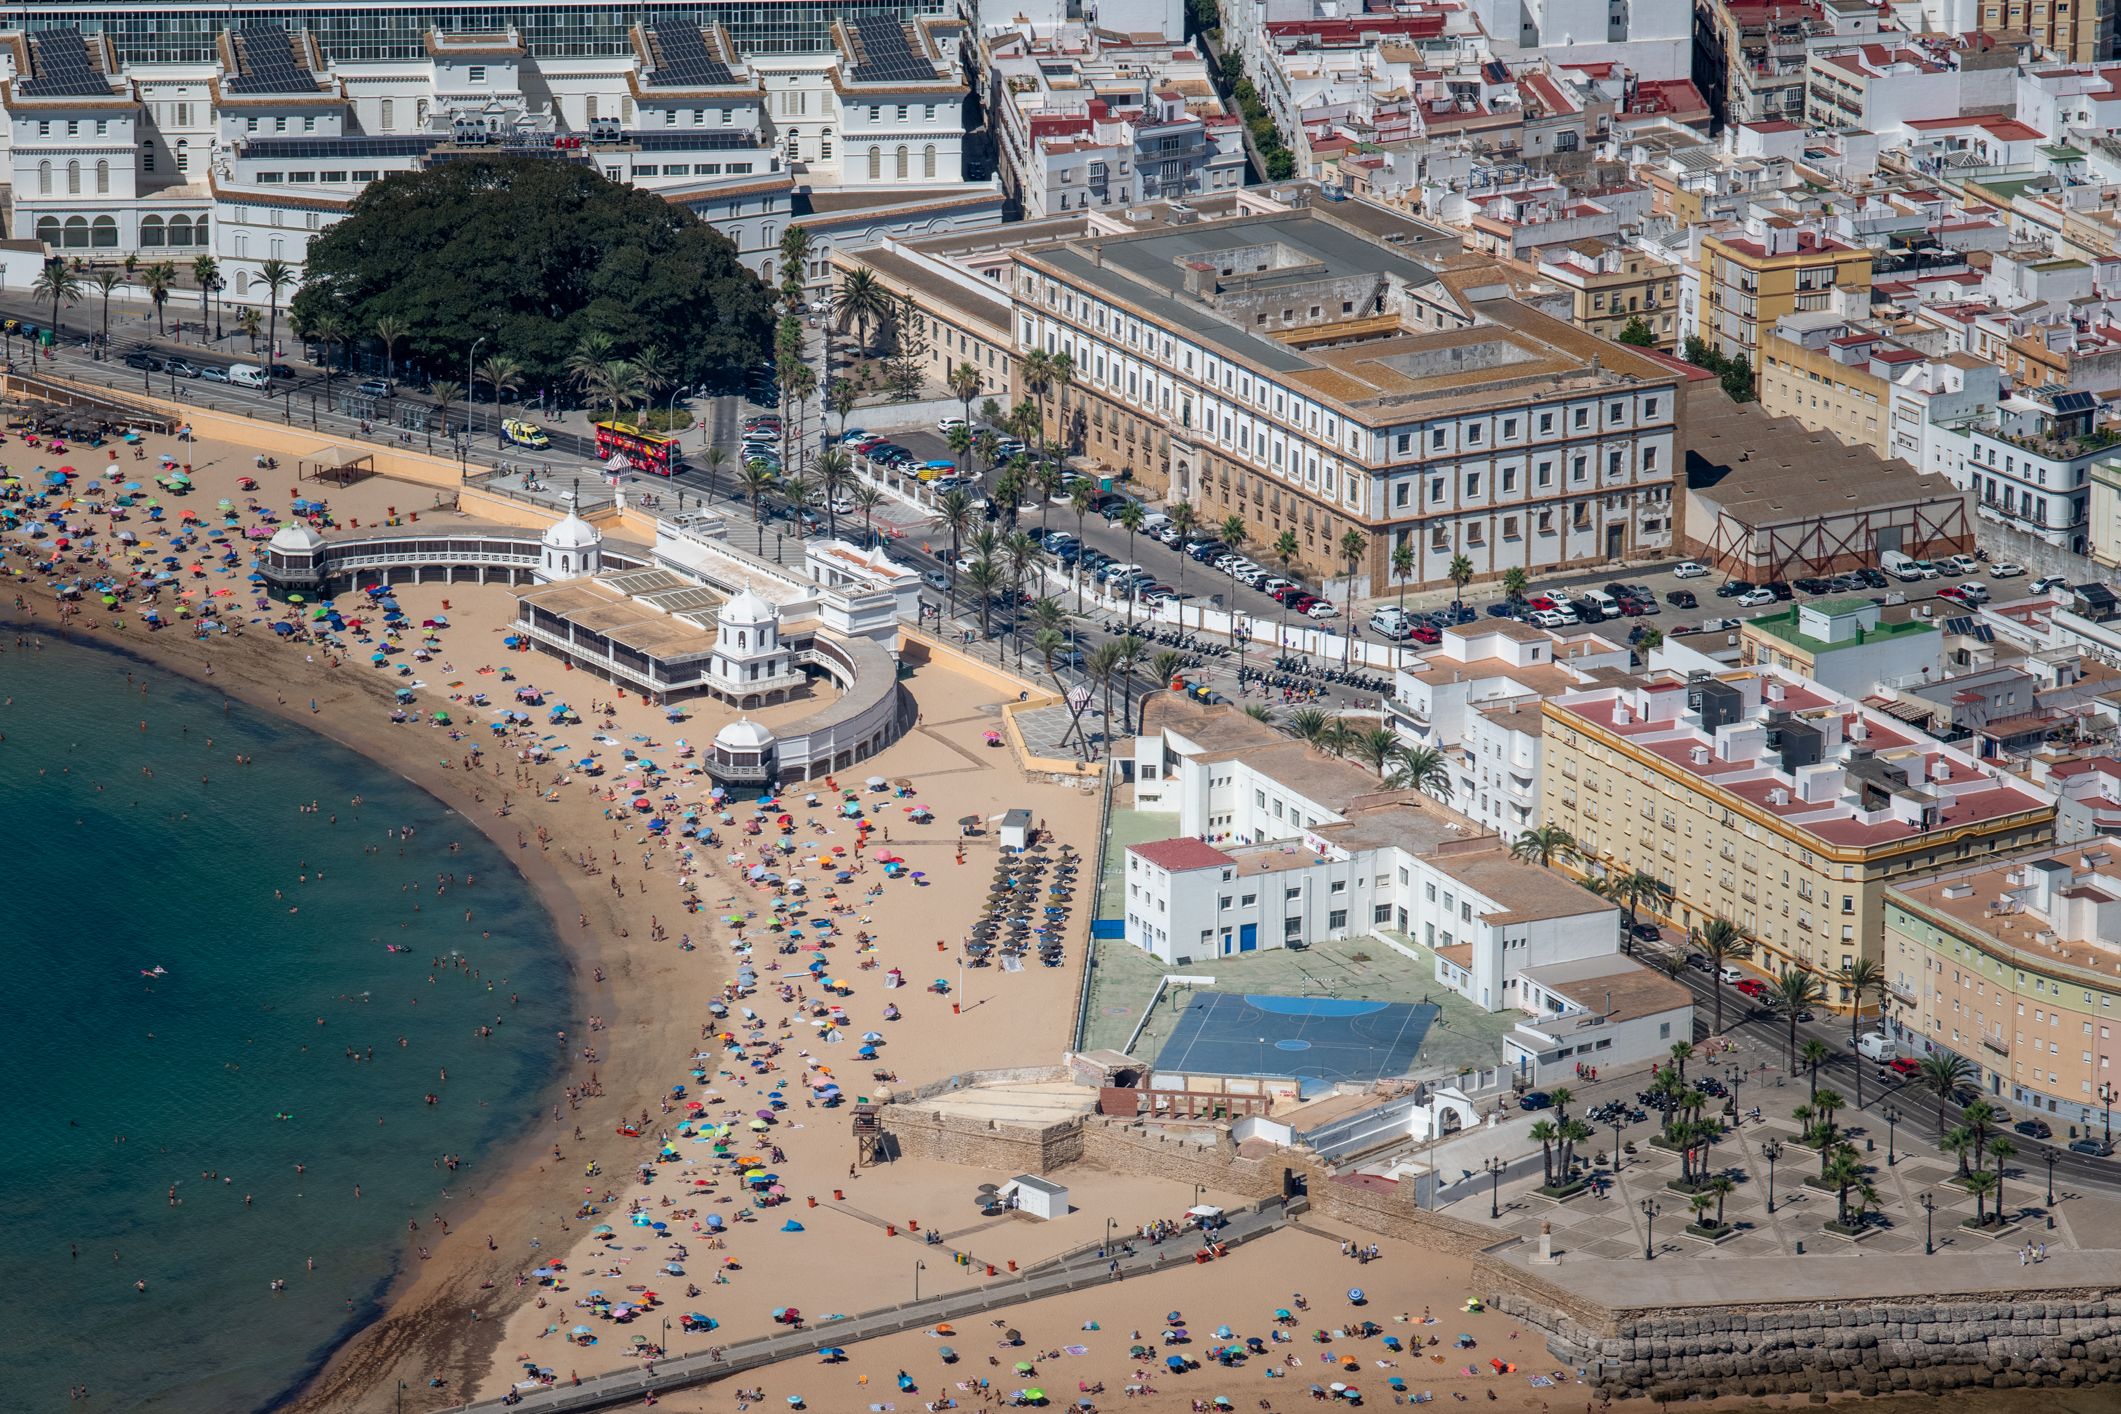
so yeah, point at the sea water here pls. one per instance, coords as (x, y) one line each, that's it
(212, 1082)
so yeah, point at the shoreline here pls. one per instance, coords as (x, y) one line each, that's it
(420, 1327)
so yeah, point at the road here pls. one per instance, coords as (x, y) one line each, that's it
(1075, 1271)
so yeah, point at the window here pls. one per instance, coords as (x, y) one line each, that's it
(928, 162)
(44, 180)
(102, 177)
(103, 233)
(73, 179)
(477, 73)
(389, 118)
(899, 158)
(876, 163)
(183, 155)
(151, 233)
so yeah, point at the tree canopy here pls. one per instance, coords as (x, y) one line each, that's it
(534, 254)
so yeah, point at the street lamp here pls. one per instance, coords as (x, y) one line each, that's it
(1929, 1210)
(1735, 1078)
(1892, 1119)
(1771, 1151)
(1616, 1141)
(1650, 1210)
(918, 1268)
(471, 402)
(1495, 1166)
(2048, 1153)
(2106, 1110)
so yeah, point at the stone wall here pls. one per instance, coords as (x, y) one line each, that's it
(2053, 1339)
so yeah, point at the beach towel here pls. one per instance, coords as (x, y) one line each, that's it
(1541, 1382)
(1076, 1349)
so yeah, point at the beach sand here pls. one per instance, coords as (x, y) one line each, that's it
(461, 1317)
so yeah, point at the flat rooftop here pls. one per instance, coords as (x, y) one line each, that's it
(617, 616)
(1763, 470)
(1967, 897)
(1609, 987)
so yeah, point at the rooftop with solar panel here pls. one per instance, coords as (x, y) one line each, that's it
(881, 52)
(59, 66)
(263, 61)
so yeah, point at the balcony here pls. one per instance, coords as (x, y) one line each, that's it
(2000, 1047)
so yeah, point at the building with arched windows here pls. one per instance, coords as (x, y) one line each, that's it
(248, 154)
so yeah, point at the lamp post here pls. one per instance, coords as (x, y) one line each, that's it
(1616, 1142)
(1735, 1078)
(1892, 1120)
(1771, 1151)
(2048, 1153)
(1929, 1210)
(471, 402)
(1494, 1166)
(2106, 1110)
(1650, 1210)
(1108, 1239)
(918, 1268)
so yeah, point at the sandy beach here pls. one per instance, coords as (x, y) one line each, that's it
(461, 1317)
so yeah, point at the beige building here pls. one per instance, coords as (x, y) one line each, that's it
(1834, 377)
(1309, 371)
(1750, 280)
(1611, 285)
(1767, 801)
(2014, 966)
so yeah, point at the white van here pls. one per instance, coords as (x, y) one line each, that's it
(1903, 567)
(1603, 602)
(1391, 622)
(248, 375)
(1877, 1046)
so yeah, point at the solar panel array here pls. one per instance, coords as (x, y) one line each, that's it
(713, 140)
(886, 57)
(299, 149)
(59, 60)
(684, 61)
(267, 58)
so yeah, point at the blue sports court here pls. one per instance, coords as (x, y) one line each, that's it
(1324, 1038)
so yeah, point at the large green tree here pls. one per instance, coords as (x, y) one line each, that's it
(532, 256)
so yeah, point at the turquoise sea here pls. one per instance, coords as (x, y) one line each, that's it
(217, 1079)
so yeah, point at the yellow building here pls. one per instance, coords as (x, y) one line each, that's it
(1609, 285)
(1832, 377)
(1772, 803)
(1750, 280)
(2014, 966)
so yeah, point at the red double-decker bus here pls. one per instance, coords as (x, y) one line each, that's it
(646, 451)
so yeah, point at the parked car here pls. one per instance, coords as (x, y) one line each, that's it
(1730, 975)
(1904, 1065)
(1699, 961)
(376, 388)
(1960, 564)
(945, 424)
(1755, 598)
(2033, 1128)
(935, 579)
(2005, 569)
(1687, 569)
(1535, 1100)
(1752, 987)
(2047, 584)
(213, 373)
(1872, 578)
(181, 368)
(1682, 599)
(1814, 586)
(1732, 588)
(1321, 609)
(143, 360)
(2097, 1148)
(1779, 588)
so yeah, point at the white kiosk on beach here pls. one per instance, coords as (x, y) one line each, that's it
(1041, 1198)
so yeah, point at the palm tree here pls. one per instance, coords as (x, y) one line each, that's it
(1631, 891)
(591, 352)
(156, 279)
(863, 298)
(1019, 559)
(615, 383)
(1546, 1132)
(1700, 1203)
(1515, 582)
(1308, 725)
(1860, 978)
(1959, 1142)
(1131, 517)
(755, 481)
(444, 393)
(1573, 1132)
(795, 259)
(277, 275)
(327, 329)
(866, 499)
(963, 382)
(841, 396)
(1164, 667)
(1791, 994)
(1544, 845)
(1285, 551)
(1421, 768)
(1460, 573)
(1841, 1170)
(1681, 1053)
(1103, 668)
(1353, 546)
(1035, 372)
(502, 374)
(1826, 1104)
(1945, 1076)
(105, 281)
(1980, 1119)
(1376, 748)
(250, 322)
(1981, 1185)
(799, 492)
(1811, 1056)
(389, 332)
(205, 270)
(954, 510)
(1063, 372)
(835, 473)
(1720, 941)
(1722, 1185)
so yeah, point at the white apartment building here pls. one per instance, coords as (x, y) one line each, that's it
(247, 156)
(1313, 854)
(1475, 697)
(2028, 464)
